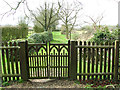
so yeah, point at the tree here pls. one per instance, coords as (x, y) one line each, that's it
(96, 23)
(12, 10)
(68, 15)
(23, 24)
(46, 15)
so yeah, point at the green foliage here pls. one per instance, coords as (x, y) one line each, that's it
(38, 29)
(75, 36)
(10, 32)
(20, 81)
(40, 37)
(115, 33)
(5, 84)
(104, 35)
(24, 29)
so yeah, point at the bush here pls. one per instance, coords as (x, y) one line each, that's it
(38, 29)
(115, 33)
(101, 36)
(10, 32)
(40, 37)
(75, 36)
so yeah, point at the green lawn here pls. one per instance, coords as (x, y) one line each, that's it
(59, 38)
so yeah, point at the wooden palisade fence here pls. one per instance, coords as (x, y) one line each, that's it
(93, 61)
(75, 60)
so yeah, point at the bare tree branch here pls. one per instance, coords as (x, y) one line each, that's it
(68, 15)
(12, 9)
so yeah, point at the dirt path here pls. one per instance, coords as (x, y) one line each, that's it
(47, 84)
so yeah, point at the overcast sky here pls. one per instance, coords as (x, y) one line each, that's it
(93, 8)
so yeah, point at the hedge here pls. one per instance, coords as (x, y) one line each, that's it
(10, 32)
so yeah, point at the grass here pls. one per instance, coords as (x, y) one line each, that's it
(59, 38)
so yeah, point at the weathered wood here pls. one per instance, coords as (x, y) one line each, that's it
(54, 61)
(95, 46)
(105, 59)
(101, 61)
(4, 64)
(88, 65)
(109, 60)
(58, 61)
(12, 61)
(32, 64)
(73, 64)
(113, 54)
(16, 60)
(61, 65)
(93, 52)
(66, 68)
(84, 61)
(80, 60)
(23, 61)
(8, 61)
(56, 66)
(36, 44)
(11, 75)
(68, 60)
(94, 74)
(97, 59)
(116, 59)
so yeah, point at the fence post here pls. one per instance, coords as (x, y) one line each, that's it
(69, 59)
(73, 64)
(116, 60)
(24, 60)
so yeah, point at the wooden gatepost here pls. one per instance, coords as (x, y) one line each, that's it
(24, 60)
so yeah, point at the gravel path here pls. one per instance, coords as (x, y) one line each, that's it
(47, 84)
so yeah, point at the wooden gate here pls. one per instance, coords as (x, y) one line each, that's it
(48, 60)
(38, 60)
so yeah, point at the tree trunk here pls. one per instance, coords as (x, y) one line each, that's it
(67, 32)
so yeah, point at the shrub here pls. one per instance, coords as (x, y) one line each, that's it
(38, 29)
(101, 36)
(115, 33)
(40, 37)
(75, 36)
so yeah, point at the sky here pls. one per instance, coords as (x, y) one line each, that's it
(92, 8)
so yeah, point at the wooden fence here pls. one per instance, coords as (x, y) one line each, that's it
(10, 62)
(93, 61)
(75, 60)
